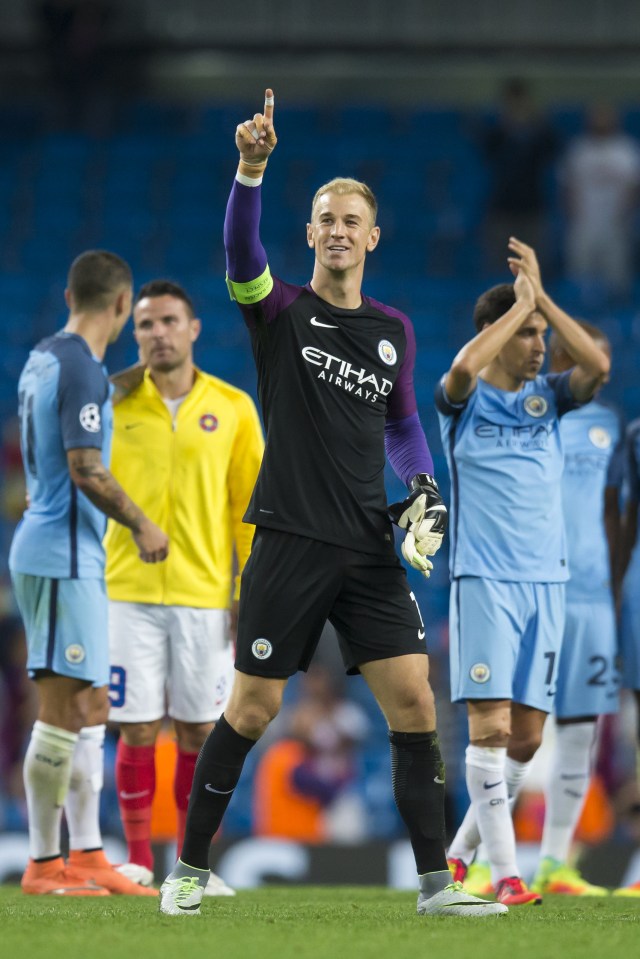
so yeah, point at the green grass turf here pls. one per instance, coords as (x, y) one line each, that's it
(306, 922)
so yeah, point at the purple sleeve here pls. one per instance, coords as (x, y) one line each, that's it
(402, 399)
(404, 439)
(246, 256)
(407, 448)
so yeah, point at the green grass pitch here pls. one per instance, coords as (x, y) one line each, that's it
(306, 922)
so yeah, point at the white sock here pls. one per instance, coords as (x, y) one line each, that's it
(467, 839)
(566, 788)
(515, 774)
(47, 771)
(467, 842)
(82, 805)
(488, 791)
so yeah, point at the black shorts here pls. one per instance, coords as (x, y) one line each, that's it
(292, 585)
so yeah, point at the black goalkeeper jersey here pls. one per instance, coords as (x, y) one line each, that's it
(327, 379)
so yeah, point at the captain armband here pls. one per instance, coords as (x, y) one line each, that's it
(253, 291)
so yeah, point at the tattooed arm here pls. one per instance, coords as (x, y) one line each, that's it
(92, 477)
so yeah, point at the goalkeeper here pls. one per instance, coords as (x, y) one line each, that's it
(335, 381)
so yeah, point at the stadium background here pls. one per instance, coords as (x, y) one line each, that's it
(120, 136)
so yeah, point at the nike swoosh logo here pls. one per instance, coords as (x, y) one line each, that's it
(438, 780)
(327, 326)
(450, 905)
(219, 792)
(139, 795)
(189, 908)
(421, 634)
(572, 792)
(131, 426)
(491, 785)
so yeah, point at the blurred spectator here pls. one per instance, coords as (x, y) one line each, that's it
(12, 488)
(73, 35)
(12, 491)
(302, 781)
(17, 715)
(519, 146)
(601, 177)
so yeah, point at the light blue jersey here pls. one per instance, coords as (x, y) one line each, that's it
(588, 680)
(593, 460)
(504, 453)
(64, 404)
(630, 619)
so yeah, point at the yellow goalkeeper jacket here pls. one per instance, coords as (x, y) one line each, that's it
(193, 477)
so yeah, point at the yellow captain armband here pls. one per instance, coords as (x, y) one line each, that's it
(253, 291)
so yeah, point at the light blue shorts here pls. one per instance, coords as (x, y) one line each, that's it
(66, 623)
(630, 634)
(588, 681)
(505, 640)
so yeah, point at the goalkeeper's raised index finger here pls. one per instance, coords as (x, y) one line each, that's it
(269, 101)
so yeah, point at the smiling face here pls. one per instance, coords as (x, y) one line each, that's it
(165, 332)
(522, 356)
(341, 231)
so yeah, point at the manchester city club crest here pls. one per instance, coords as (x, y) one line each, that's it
(536, 406)
(262, 649)
(74, 654)
(480, 673)
(600, 437)
(387, 352)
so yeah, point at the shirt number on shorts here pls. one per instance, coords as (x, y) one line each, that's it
(117, 686)
(550, 678)
(599, 676)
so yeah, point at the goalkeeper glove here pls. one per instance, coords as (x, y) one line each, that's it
(424, 516)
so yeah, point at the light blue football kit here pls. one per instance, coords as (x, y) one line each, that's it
(56, 557)
(508, 553)
(588, 680)
(630, 618)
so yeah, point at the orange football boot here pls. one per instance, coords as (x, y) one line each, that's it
(53, 878)
(95, 865)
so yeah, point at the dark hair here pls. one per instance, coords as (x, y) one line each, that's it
(557, 348)
(95, 279)
(166, 288)
(493, 304)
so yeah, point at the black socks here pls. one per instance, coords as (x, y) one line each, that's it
(216, 775)
(417, 774)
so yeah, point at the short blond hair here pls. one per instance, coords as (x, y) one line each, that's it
(344, 186)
